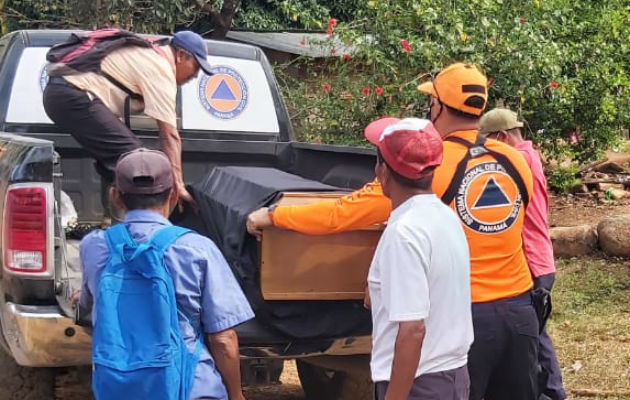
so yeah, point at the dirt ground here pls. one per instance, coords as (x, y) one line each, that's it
(586, 209)
(289, 389)
(573, 210)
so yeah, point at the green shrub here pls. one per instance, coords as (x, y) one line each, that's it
(563, 179)
(564, 66)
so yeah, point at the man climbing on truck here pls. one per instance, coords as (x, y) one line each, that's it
(100, 77)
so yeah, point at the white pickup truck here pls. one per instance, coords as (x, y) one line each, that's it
(39, 265)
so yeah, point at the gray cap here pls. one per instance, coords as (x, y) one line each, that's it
(144, 171)
(497, 120)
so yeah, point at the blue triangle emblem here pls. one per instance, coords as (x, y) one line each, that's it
(223, 92)
(492, 196)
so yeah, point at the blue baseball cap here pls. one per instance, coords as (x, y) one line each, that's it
(195, 45)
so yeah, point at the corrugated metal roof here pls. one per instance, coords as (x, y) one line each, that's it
(314, 45)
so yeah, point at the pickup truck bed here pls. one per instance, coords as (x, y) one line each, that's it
(37, 324)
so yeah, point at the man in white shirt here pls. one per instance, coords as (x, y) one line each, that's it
(419, 280)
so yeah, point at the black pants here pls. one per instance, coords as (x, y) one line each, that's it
(91, 123)
(502, 361)
(453, 384)
(550, 376)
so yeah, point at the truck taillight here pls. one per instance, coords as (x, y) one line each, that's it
(26, 230)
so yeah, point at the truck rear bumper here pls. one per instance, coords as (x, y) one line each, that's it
(40, 336)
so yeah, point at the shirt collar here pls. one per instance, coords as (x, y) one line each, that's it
(525, 145)
(145, 216)
(470, 135)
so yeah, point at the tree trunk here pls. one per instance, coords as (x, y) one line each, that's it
(4, 21)
(221, 20)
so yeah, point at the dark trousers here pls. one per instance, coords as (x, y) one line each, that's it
(503, 359)
(91, 123)
(550, 379)
(453, 384)
(95, 127)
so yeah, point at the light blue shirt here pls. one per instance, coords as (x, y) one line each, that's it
(205, 288)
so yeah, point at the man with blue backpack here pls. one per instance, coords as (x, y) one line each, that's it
(157, 292)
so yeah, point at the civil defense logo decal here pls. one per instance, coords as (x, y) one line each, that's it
(43, 77)
(488, 201)
(224, 95)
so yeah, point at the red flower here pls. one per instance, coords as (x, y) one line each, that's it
(329, 31)
(365, 91)
(405, 45)
(326, 87)
(378, 90)
(347, 57)
(332, 22)
(333, 51)
(554, 85)
(522, 20)
(302, 42)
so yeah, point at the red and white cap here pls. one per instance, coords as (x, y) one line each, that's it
(409, 146)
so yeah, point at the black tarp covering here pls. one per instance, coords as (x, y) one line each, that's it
(225, 198)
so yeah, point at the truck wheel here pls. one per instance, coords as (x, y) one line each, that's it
(22, 383)
(321, 383)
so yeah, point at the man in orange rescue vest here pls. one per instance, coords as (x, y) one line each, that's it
(488, 185)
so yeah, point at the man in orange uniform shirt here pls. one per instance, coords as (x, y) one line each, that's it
(488, 185)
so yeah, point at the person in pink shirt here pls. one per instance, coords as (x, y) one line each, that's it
(502, 124)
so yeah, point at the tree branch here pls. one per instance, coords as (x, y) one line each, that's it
(22, 18)
(205, 7)
(4, 21)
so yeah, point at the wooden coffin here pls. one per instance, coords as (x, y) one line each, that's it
(296, 266)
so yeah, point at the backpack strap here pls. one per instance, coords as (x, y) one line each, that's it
(163, 238)
(117, 236)
(122, 87)
(476, 150)
(460, 170)
(512, 172)
(130, 95)
(161, 241)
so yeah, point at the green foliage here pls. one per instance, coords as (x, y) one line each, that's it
(563, 179)
(281, 14)
(154, 16)
(163, 16)
(608, 194)
(564, 66)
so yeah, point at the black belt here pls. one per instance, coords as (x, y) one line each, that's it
(59, 80)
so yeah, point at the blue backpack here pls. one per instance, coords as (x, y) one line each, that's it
(137, 348)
